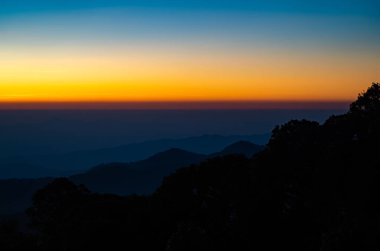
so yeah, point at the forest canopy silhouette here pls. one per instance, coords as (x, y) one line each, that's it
(314, 187)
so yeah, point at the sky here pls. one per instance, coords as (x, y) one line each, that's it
(186, 51)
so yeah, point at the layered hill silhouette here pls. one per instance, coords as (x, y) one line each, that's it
(140, 177)
(143, 177)
(315, 187)
(66, 164)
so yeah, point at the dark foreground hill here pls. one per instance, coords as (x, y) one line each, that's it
(144, 177)
(140, 177)
(314, 188)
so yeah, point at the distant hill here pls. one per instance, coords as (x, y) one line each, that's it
(245, 148)
(79, 161)
(140, 177)
(143, 177)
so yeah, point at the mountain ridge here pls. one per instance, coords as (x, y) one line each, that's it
(140, 177)
(71, 163)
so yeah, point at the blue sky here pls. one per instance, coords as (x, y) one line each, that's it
(315, 48)
(337, 18)
(360, 7)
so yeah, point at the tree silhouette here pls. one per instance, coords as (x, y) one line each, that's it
(50, 204)
(365, 112)
(294, 136)
(368, 102)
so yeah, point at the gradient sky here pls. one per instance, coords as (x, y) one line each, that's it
(193, 50)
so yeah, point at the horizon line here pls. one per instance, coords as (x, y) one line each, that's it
(174, 105)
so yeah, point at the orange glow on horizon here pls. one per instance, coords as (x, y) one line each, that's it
(176, 76)
(178, 105)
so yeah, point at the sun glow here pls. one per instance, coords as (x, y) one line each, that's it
(160, 74)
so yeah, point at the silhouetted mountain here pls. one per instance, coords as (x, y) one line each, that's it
(143, 177)
(140, 177)
(71, 163)
(315, 187)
